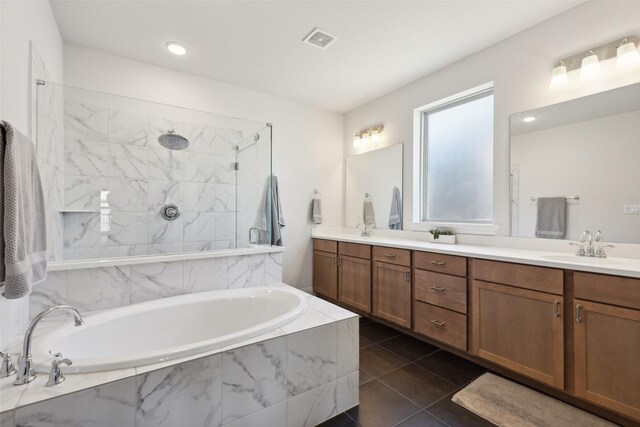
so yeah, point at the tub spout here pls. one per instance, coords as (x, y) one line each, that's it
(26, 373)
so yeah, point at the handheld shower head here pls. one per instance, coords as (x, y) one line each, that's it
(173, 141)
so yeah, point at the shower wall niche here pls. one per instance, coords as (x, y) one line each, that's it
(118, 178)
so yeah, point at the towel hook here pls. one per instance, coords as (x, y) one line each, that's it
(317, 192)
(367, 195)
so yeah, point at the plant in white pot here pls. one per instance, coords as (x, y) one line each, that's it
(443, 235)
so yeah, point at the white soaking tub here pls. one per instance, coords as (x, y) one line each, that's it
(167, 328)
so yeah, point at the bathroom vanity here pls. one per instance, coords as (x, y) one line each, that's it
(570, 327)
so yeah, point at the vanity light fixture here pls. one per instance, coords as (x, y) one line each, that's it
(559, 76)
(364, 136)
(176, 48)
(529, 119)
(627, 55)
(625, 50)
(590, 69)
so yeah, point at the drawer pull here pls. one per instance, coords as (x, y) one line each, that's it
(556, 308)
(434, 262)
(407, 275)
(437, 288)
(578, 318)
(390, 255)
(436, 323)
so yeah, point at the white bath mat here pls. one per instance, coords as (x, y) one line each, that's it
(508, 404)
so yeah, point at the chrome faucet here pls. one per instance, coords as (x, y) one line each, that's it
(366, 231)
(589, 238)
(26, 373)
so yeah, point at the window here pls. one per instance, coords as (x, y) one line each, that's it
(456, 158)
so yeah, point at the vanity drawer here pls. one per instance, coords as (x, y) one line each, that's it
(392, 255)
(521, 276)
(441, 324)
(449, 264)
(355, 250)
(442, 290)
(622, 291)
(325, 245)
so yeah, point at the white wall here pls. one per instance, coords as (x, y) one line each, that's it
(520, 68)
(307, 141)
(20, 23)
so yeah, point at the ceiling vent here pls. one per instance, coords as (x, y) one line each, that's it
(319, 38)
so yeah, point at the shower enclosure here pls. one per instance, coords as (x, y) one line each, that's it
(127, 177)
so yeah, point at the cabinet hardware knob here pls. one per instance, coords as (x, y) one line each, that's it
(390, 255)
(437, 288)
(434, 262)
(407, 275)
(556, 308)
(436, 323)
(578, 318)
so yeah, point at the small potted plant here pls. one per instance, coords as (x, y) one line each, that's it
(443, 235)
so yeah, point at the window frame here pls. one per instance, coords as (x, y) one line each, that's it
(420, 185)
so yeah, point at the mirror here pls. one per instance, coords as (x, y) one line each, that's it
(375, 173)
(586, 150)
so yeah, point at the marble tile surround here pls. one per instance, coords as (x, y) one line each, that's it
(113, 162)
(245, 386)
(109, 287)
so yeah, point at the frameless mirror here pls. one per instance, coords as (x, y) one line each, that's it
(375, 173)
(586, 150)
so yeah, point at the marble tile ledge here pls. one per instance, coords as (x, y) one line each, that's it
(151, 259)
(629, 267)
(319, 313)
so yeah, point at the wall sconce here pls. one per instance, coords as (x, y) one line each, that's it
(625, 50)
(367, 135)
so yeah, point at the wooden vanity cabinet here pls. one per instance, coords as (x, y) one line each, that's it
(342, 272)
(354, 275)
(518, 328)
(392, 285)
(607, 342)
(440, 298)
(325, 268)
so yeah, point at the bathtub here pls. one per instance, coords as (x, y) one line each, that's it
(168, 328)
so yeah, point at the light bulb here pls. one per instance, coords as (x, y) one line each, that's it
(375, 136)
(529, 119)
(559, 76)
(366, 138)
(176, 48)
(357, 141)
(590, 67)
(627, 56)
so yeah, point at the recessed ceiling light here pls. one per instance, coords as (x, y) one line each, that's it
(529, 119)
(176, 48)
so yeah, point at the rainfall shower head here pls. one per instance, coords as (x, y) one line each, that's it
(173, 141)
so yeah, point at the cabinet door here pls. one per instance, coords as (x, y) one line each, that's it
(325, 274)
(355, 282)
(392, 293)
(607, 345)
(519, 329)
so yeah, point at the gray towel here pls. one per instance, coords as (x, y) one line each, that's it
(273, 218)
(395, 216)
(316, 210)
(23, 242)
(368, 217)
(551, 221)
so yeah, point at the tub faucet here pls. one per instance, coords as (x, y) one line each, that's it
(26, 373)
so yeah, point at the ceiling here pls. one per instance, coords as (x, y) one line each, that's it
(381, 46)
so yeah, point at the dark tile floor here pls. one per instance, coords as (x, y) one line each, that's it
(405, 382)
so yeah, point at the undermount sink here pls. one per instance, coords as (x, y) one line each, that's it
(583, 260)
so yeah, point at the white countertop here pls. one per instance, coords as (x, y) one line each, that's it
(629, 267)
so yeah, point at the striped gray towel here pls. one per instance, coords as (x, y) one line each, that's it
(23, 242)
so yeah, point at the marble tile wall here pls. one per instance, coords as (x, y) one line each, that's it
(109, 287)
(296, 380)
(115, 167)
